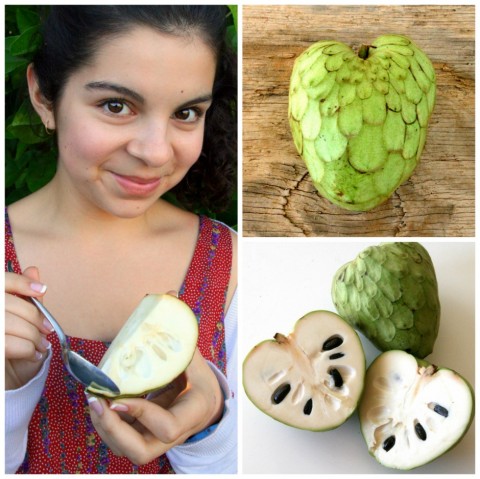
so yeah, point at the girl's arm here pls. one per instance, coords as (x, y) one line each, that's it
(216, 450)
(19, 407)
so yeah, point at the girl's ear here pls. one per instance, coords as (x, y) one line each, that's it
(41, 105)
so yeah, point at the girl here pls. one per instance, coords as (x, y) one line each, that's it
(140, 98)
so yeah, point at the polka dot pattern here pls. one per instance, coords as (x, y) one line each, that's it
(61, 436)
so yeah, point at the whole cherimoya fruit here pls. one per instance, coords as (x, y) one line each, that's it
(412, 412)
(311, 379)
(155, 345)
(359, 121)
(390, 293)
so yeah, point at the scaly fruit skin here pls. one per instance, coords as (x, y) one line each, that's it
(390, 293)
(360, 121)
(401, 392)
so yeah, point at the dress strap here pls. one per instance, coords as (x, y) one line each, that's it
(205, 287)
(10, 252)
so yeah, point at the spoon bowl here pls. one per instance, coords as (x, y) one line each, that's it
(82, 370)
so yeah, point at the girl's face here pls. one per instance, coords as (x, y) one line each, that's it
(131, 123)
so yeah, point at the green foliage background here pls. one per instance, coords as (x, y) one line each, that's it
(31, 154)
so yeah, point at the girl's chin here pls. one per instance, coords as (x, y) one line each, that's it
(134, 209)
(126, 207)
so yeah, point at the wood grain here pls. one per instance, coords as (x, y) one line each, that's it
(278, 196)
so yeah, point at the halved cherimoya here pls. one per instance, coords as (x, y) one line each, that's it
(155, 345)
(411, 411)
(311, 379)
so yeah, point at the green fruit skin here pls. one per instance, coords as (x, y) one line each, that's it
(390, 293)
(360, 122)
(422, 362)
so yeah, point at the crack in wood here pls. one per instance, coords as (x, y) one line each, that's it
(286, 205)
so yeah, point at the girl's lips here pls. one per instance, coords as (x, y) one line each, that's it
(135, 185)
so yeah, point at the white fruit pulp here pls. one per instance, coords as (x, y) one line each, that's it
(300, 362)
(155, 345)
(399, 394)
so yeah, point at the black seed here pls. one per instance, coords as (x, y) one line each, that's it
(332, 343)
(280, 393)
(337, 377)
(308, 407)
(389, 443)
(336, 356)
(440, 410)
(420, 431)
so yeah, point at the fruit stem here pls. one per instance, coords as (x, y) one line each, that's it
(363, 52)
(279, 337)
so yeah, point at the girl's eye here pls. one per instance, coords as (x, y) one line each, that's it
(116, 107)
(188, 115)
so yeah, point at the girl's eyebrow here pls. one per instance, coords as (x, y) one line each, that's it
(124, 91)
(121, 90)
(195, 101)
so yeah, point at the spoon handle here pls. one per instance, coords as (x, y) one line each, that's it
(61, 335)
(58, 329)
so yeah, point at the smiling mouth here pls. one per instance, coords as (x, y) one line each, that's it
(135, 185)
(141, 181)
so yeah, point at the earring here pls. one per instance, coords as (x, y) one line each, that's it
(48, 131)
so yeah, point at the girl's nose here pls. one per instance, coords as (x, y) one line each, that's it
(152, 145)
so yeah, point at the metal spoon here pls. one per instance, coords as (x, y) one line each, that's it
(81, 369)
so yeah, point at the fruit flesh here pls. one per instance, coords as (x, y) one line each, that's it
(302, 381)
(155, 345)
(412, 412)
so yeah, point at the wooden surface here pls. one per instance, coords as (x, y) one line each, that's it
(278, 196)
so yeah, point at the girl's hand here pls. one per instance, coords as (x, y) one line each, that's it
(25, 328)
(143, 429)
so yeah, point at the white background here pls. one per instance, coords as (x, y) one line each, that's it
(282, 280)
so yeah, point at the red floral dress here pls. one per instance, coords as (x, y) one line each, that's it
(61, 437)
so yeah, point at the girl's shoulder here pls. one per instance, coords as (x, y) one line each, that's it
(26, 214)
(170, 219)
(179, 221)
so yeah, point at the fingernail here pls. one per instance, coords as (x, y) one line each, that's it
(119, 407)
(47, 325)
(95, 405)
(38, 355)
(45, 342)
(38, 287)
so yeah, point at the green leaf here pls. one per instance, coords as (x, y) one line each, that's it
(26, 18)
(27, 42)
(232, 28)
(234, 12)
(23, 125)
(40, 173)
(13, 63)
(232, 37)
(20, 180)
(23, 156)
(11, 19)
(11, 173)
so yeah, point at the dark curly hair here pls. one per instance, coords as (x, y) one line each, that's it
(70, 38)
